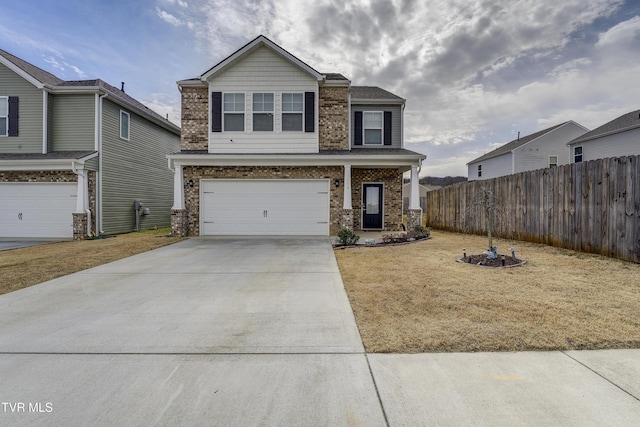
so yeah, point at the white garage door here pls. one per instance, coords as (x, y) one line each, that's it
(37, 210)
(265, 207)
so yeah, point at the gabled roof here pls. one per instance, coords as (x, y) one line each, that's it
(30, 70)
(250, 47)
(374, 94)
(41, 78)
(512, 145)
(623, 123)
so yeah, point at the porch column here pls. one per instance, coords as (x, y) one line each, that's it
(414, 213)
(178, 188)
(414, 196)
(346, 222)
(347, 187)
(179, 217)
(81, 215)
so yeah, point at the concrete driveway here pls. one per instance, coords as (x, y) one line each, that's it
(260, 332)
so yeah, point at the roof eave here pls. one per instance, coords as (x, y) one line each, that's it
(367, 101)
(580, 140)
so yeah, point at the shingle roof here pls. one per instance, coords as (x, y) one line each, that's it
(334, 76)
(512, 145)
(623, 123)
(372, 92)
(38, 73)
(53, 81)
(56, 155)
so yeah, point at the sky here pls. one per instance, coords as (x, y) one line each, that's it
(474, 72)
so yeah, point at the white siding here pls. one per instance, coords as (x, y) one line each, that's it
(616, 145)
(264, 71)
(535, 154)
(491, 168)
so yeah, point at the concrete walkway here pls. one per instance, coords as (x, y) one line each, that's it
(260, 332)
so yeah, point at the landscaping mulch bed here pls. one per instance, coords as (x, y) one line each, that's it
(483, 261)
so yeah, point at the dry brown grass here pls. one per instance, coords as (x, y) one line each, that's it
(23, 267)
(416, 298)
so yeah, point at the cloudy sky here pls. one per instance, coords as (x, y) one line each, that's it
(474, 72)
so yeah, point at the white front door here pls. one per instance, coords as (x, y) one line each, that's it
(264, 207)
(37, 210)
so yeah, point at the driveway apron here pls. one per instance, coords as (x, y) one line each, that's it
(203, 332)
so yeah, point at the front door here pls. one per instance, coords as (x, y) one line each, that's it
(372, 204)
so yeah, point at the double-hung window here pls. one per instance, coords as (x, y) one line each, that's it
(479, 171)
(292, 111)
(263, 112)
(233, 112)
(125, 120)
(577, 154)
(4, 115)
(553, 161)
(372, 125)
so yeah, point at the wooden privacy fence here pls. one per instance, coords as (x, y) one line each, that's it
(590, 207)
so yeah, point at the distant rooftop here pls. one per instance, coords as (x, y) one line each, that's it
(623, 123)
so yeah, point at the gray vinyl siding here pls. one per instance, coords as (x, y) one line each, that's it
(73, 122)
(396, 124)
(135, 169)
(93, 164)
(616, 145)
(29, 139)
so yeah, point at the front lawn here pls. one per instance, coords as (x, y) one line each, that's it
(416, 298)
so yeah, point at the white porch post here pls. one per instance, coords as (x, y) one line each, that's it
(414, 196)
(178, 188)
(347, 187)
(82, 192)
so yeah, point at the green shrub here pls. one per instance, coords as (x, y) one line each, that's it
(347, 237)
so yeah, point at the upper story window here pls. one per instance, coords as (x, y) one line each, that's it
(553, 161)
(4, 115)
(372, 128)
(125, 124)
(479, 171)
(263, 112)
(234, 112)
(372, 125)
(577, 154)
(292, 111)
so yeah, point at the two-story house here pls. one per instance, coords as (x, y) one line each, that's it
(617, 138)
(539, 150)
(74, 155)
(270, 146)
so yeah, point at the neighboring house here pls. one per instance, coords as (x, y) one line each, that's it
(74, 155)
(422, 192)
(543, 149)
(270, 146)
(617, 138)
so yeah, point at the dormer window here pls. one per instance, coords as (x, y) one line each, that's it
(263, 112)
(234, 112)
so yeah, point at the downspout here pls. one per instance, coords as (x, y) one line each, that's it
(45, 112)
(98, 148)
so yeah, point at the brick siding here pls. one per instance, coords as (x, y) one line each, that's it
(333, 118)
(195, 119)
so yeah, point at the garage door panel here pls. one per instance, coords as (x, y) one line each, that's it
(265, 207)
(37, 210)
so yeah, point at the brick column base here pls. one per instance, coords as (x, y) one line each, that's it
(414, 218)
(346, 221)
(179, 222)
(80, 223)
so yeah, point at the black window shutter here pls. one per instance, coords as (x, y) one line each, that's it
(309, 111)
(216, 111)
(357, 128)
(13, 116)
(387, 128)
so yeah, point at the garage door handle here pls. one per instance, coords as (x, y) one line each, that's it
(264, 213)
(20, 216)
